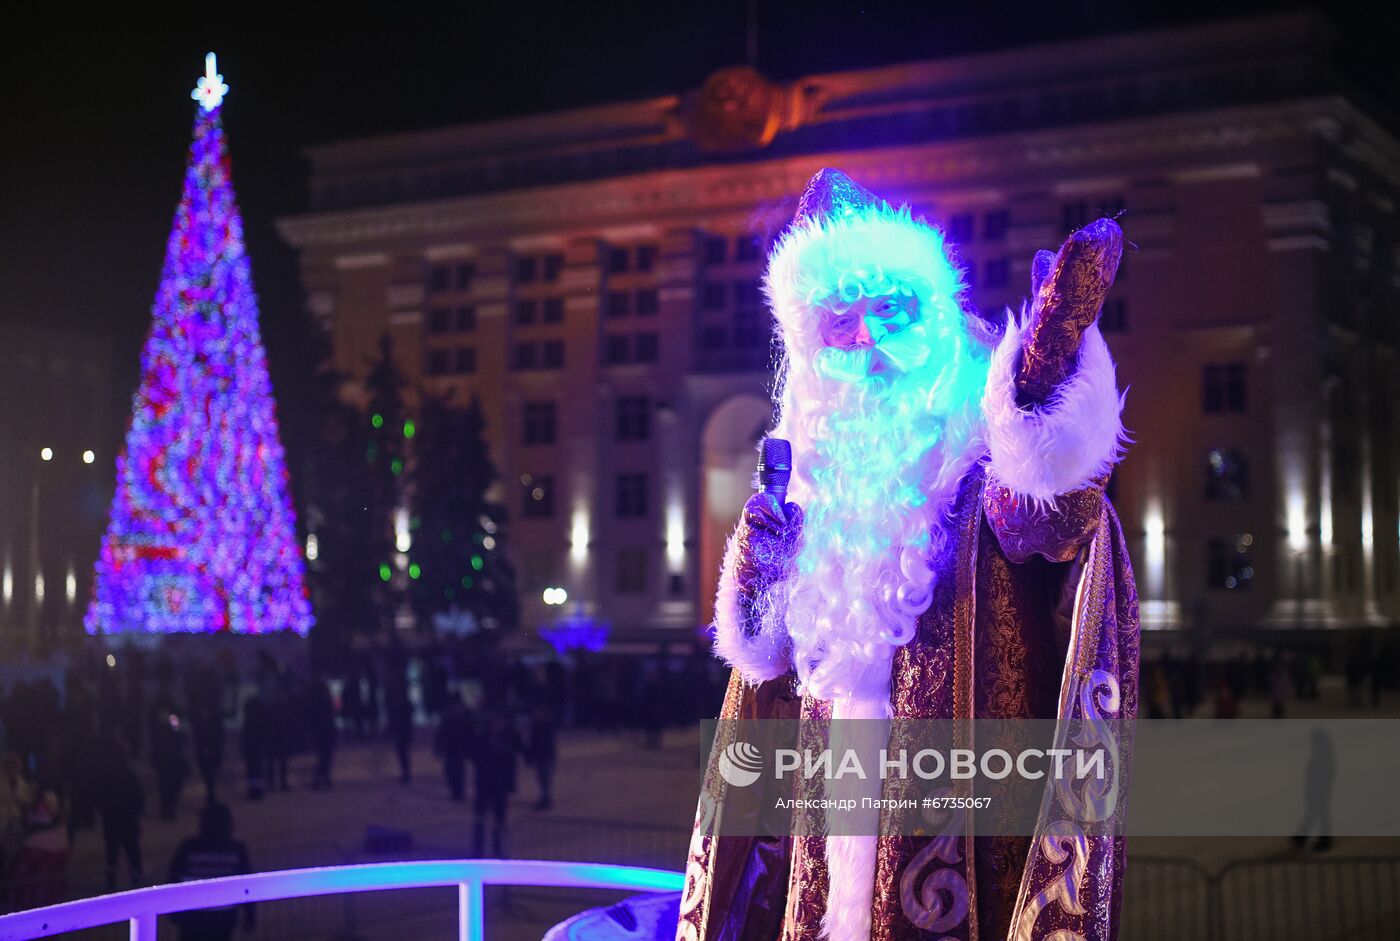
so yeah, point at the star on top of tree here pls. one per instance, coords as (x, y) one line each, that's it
(210, 90)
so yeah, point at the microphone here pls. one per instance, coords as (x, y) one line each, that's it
(775, 469)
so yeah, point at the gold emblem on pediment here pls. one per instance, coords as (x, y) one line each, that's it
(737, 108)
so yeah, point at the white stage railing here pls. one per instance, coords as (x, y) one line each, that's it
(141, 907)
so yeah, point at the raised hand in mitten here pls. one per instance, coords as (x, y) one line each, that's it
(1069, 289)
(767, 537)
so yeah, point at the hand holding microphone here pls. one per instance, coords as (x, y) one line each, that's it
(770, 529)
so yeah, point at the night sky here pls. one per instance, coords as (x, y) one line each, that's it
(96, 122)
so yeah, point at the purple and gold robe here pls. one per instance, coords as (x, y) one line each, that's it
(1034, 616)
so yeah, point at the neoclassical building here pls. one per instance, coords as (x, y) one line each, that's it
(592, 276)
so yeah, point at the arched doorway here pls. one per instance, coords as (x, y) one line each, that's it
(729, 456)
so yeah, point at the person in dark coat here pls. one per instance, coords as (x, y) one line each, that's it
(80, 750)
(453, 744)
(493, 761)
(253, 739)
(400, 714)
(120, 801)
(211, 854)
(541, 750)
(168, 756)
(320, 720)
(207, 728)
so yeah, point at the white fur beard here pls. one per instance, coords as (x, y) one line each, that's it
(864, 573)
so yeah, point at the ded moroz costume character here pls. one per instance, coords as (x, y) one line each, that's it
(948, 553)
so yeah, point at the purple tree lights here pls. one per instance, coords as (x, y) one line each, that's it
(202, 537)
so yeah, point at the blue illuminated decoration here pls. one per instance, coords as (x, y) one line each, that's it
(577, 632)
(141, 908)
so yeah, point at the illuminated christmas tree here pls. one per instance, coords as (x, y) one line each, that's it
(202, 537)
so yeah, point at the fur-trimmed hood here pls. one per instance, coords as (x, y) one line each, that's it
(822, 256)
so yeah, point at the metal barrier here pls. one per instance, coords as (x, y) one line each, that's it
(1167, 899)
(1283, 899)
(1313, 899)
(140, 908)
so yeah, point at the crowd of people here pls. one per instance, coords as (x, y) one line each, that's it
(1186, 686)
(111, 738)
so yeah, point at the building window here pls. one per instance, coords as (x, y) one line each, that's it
(715, 250)
(437, 362)
(746, 248)
(617, 260)
(648, 348)
(439, 320)
(631, 495)
(619, 304)
(553, 264)
(465, 360)
(539, 422)
(552, 310)
(1223, 388)
(960, 228)
(526, 356)
(712, 295)
(437, 278)
(647, 302)
(677, 584)
(631, 571)
(748, 328)
(538, 501)
(633, 418)
(1229, 563)
(538, 571)
(994, 225)
(646, 257)
(553, 354)
(466, 319)
(1114, 318)
(996, 273)
(466, 273)
(525, 312)
(1227, 475)
(746, 296)
(712, 338)
(617, 349)
(525, 270)
(1074, 216)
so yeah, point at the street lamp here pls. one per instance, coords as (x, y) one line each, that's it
(36, 566)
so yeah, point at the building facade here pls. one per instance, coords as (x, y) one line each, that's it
(57, 461)
(592, 276)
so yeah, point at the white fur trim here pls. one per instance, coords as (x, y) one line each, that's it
(815, 256)
(758, 657)
(1075, 436)
(862, 725)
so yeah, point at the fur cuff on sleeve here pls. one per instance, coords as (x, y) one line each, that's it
(761, 656)
(1058, 447)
